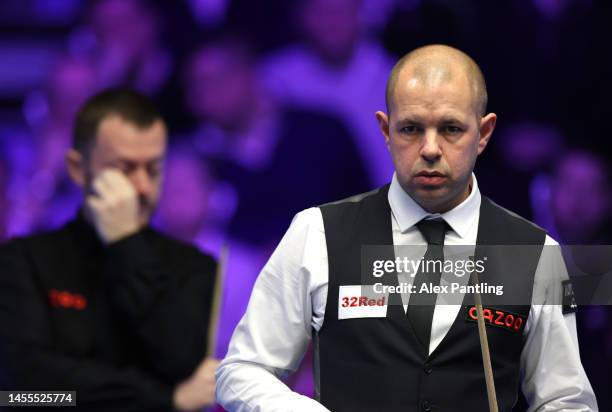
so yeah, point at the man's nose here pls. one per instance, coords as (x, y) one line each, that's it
(430, 148)
(142, 181)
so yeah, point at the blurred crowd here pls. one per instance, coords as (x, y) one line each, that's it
(271, 104)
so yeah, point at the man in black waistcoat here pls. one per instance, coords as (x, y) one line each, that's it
(387, 354)
(106, 306)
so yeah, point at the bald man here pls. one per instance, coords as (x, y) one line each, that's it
(411, 350)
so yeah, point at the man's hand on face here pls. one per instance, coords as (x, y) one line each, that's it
(113, 206)
(199, 389)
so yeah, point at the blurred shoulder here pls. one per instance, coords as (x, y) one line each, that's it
(181, 252)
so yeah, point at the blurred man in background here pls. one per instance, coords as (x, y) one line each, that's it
(527, 150)
(127, 47)
(193, 208)
(340, 70)
(106, 305)
(581, 199)
(270, 153)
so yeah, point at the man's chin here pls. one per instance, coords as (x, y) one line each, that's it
(434, 199)
(434, 193)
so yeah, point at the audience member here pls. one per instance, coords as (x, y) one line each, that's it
(106, 305)
(336, 68)
(270, 153)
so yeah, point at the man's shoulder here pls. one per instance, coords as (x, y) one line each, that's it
(503, 225)
(355, 200)
(370, 208)
(46, 251)
(48, 240)
(178, 250)
(509, 214)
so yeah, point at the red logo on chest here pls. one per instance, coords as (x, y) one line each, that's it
(500, 318)
(67, 300)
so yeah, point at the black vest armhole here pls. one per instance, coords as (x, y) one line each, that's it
(499, 226)
(347, 223)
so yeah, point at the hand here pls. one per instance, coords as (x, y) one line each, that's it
(113, 206)
(199, 389)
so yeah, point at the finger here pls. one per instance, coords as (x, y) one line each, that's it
(114, 176)
(214, 363)
(211, 361)
(109, 179)
(102, 188)
(115, 185)
(208, 376)
(98, 186)
(119, 182)
(94, 203)
(208, 366)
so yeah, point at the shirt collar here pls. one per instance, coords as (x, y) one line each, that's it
(408, 213)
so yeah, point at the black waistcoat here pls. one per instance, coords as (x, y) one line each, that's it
(377, 364)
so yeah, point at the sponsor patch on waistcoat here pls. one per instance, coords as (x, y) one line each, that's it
(510, 321)
(352, 303)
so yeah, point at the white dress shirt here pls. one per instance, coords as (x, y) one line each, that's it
(290, 294)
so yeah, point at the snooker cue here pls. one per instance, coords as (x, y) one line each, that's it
(213, 324)
(484, 346)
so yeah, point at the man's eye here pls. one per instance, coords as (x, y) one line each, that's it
(451, 130)
(126, 169)
(154, 171)
(409, 129)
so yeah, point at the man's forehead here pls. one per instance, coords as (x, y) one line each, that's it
(118, 137)
(439, 114)
(433, 77)
(413, 96)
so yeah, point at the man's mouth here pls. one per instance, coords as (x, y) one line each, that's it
(430, 178)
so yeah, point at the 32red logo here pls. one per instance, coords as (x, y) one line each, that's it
(354, 301)
(67, 300)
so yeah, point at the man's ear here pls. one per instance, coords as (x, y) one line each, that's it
(383, 124)
(75, 164)
(487, 125)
